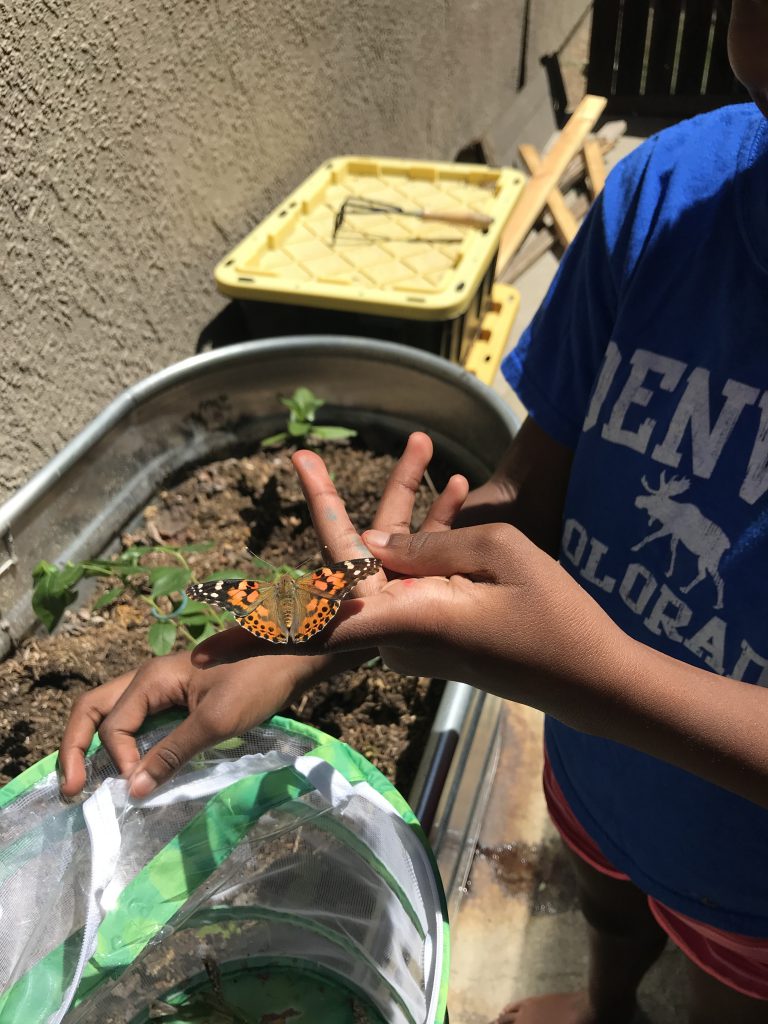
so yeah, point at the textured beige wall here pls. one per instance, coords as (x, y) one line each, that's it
(142, 138)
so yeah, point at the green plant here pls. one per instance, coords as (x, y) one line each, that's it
(161, 587)
(302, 407)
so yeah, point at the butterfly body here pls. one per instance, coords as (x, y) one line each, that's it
(287, 608)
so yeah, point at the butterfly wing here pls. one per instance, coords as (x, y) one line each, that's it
(319, 593)
(252, 602)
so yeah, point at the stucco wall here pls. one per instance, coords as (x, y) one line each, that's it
(141, 138)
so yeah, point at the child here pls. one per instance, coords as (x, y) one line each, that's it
(645, 464)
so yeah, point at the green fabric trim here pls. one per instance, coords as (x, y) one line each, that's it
(39, 992)
(28, 778)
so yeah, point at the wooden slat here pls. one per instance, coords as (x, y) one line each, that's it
(693, 52)
(661, 55)
(721, 78)
(606, 139)
(596, 172)
(656, 89)
(634, 25)
(533, 199)
(565, 223)
(602, 47)
(539, 242)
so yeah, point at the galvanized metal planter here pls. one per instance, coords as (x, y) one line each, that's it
(214, 404)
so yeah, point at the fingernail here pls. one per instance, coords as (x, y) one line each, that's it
(142, 784)
(376, 537)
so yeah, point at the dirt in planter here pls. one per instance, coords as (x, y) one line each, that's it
(251, 502)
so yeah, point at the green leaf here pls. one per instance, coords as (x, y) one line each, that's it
(305, 403)
(287, 570)
(274, 440)
(169, 579)
(298, 428)
(49, 604)
(208, 630)
(226, 574)
(231, 744)
(195, 608)
(109, 597)
(161, 637)
(53, 591)
(332, 433)
(65, 578)
(42, 569)
(201, 545)
(191, 622)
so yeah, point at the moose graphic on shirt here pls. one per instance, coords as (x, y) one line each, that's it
(683, 521)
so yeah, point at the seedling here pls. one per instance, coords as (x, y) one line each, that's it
(302, 407)
(161, 587)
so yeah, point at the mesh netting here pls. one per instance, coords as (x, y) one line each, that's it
(282, 874)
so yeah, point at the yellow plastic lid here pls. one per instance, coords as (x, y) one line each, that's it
(383, 263)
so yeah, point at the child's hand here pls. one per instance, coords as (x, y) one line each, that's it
(488, 606)
(227, 700)
(222, 702)
(341, 540)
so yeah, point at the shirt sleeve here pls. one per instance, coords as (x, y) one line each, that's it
(555, 364)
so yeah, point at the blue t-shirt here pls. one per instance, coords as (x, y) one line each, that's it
(649, 359)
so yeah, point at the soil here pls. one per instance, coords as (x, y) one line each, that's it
(252, 502)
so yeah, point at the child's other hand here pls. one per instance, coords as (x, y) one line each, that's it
(222, 702)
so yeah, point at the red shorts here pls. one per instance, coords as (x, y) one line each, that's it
(738, 961)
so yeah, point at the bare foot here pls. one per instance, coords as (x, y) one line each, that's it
(562, 1008)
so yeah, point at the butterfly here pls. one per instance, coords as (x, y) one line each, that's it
(287, 607)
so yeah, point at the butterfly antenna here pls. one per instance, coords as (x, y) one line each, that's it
(259, 561)
(305, 561)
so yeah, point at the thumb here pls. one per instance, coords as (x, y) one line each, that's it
(475, 551)
(170, 754)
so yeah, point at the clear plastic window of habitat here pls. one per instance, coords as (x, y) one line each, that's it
(278, 877)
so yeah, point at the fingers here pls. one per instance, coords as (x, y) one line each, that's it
(329, 514)
(477, 552)
(396, 507)
(86, 716)
(446, 506)
(195, 734)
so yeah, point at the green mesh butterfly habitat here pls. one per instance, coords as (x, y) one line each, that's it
(278, 877)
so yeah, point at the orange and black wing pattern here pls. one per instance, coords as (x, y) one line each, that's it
(252, 603)
(321, 591)
(316, 597)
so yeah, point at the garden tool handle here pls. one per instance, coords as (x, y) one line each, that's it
(467, 218)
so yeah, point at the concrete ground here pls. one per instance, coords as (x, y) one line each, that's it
(518, 931)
